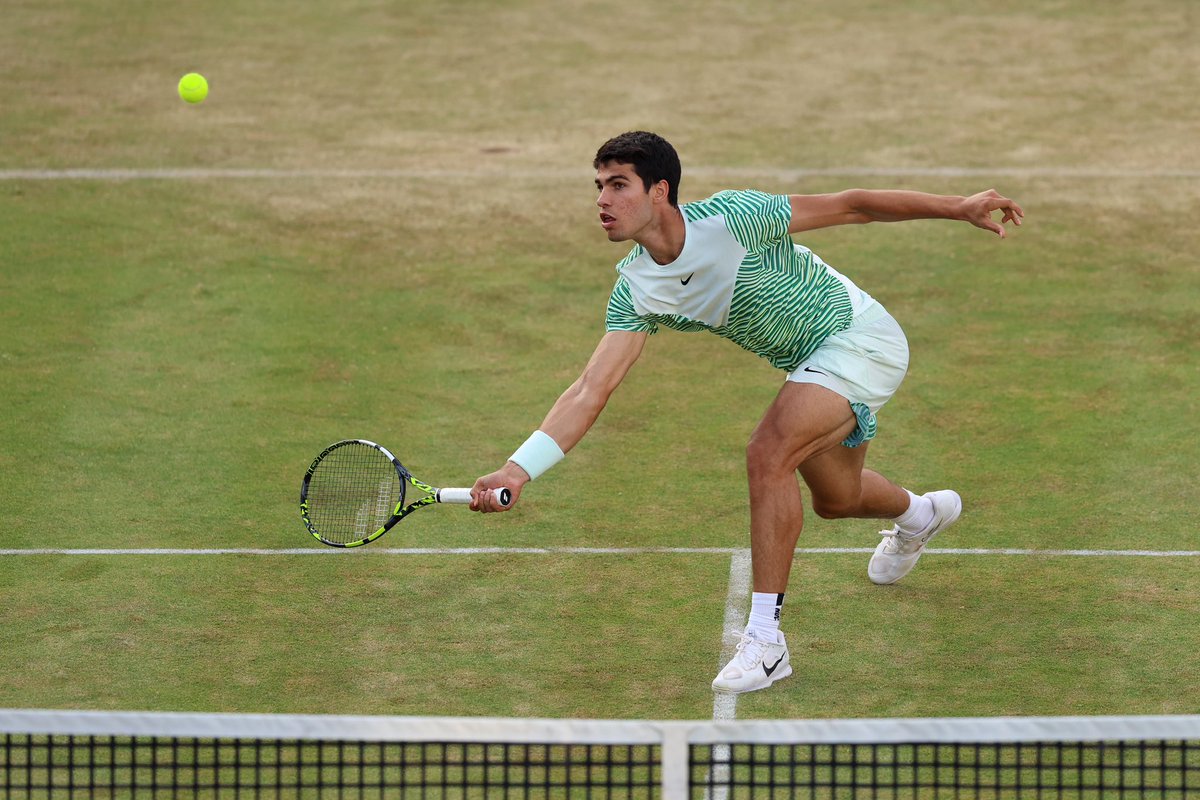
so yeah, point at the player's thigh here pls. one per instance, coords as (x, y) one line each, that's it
(834, 476)
(804, 419)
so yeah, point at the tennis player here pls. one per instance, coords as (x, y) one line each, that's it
(728, 265)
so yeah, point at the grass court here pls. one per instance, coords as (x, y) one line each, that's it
(380, 224)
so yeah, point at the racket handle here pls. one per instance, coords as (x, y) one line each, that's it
(463, 496)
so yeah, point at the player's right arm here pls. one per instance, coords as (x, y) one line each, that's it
(573, 414)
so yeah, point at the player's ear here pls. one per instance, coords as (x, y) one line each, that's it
(660, 191)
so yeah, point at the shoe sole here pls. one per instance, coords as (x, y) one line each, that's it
(778, 676)
(945, 523)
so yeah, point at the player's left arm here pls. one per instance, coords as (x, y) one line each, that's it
(859, 206)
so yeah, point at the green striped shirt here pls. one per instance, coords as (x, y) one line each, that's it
(739, 276)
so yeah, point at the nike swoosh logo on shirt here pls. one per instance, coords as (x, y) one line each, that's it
(687, 280)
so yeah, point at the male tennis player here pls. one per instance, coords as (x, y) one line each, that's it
(728, 265)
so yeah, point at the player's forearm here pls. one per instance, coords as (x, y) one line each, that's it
(574, 413)
(895, 205)
(569, 419)
(577, 409)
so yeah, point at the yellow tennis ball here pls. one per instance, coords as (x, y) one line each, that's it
(193, 88)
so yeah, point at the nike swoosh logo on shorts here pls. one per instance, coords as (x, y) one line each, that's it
(817, 371)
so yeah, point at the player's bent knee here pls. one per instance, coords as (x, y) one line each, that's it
(770, 455)
(826, 508)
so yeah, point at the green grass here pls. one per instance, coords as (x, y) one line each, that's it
(174, 352)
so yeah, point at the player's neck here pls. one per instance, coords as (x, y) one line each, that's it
(664, 237)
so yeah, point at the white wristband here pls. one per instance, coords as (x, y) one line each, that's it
(538, 454)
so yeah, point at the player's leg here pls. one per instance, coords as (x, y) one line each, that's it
(842, 488)
(804, 420)
(865, 364)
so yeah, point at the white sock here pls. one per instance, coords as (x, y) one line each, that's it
(765, 608)
(918, 516)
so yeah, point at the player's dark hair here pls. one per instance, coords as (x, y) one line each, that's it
(652, 157)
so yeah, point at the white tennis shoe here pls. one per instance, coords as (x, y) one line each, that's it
(897, 554)
(756, 665)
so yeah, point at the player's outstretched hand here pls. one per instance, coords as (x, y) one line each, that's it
(509, 476)
(978, 208)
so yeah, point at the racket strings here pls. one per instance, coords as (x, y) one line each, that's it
(352, 493)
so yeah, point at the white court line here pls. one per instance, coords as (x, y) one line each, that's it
(725, 705)
(780, 173)
(619, 551)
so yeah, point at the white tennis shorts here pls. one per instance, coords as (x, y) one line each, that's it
(864, 364)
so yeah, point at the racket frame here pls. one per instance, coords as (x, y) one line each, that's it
(432, 494)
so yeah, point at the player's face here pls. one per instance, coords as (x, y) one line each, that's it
(625, 205)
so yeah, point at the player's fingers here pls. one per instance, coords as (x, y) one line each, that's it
(984, 220)
(1011, 210)
(487, 501)
(493, 506)
(478, 495)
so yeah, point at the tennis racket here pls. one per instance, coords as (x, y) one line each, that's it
(356, 491)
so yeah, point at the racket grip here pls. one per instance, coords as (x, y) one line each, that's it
(463, 496)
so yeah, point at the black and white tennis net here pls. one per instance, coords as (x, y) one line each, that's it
(92, 754)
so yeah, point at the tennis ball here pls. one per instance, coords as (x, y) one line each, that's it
(193, 88)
